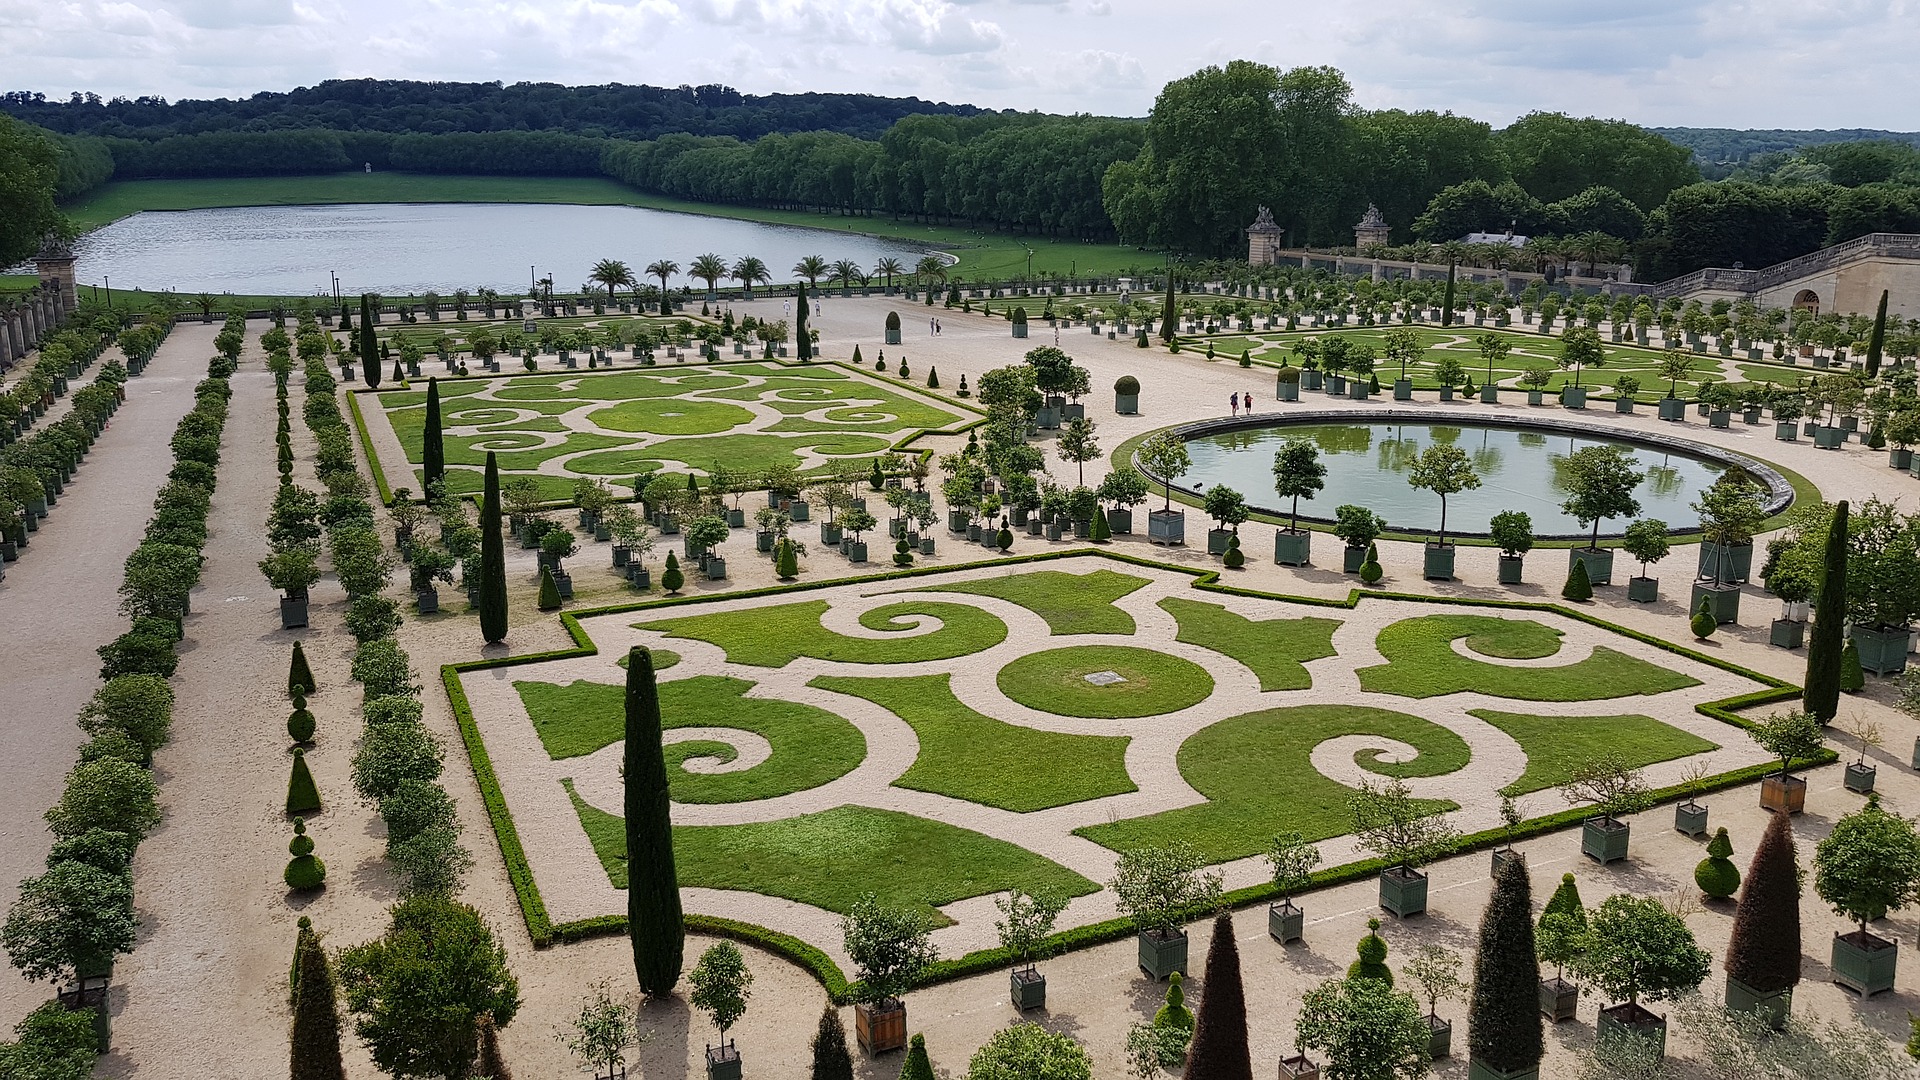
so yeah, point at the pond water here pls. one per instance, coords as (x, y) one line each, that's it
(1367, 465)
(401, 248)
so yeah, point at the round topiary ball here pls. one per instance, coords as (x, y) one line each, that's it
(1716, 875)
(304, 872)
(1234, 558)
(300, 723)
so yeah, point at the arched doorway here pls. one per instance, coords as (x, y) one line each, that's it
(1807, 300)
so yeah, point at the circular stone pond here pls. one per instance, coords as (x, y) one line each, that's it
(1368, 458)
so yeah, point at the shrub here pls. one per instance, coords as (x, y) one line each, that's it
(111, 852)
(1370, 570)
(431, 862)
(302, 796)
(1764, 951)
(300, 722)
(722, 983)
(1637, 948)
(315, 1039)
(391, 753)
(115, 745)
(147, 649)
(392, 709)
(891, 947)
(549, 591)
(1579, 584)
(106, 794)
(137, 706)
(1234, 558)
(305, 872)
(1029, 1052)
(1126, 384)
(672, 579)
(933, 378)
(372, 617)
(381, 668)
(1852, 678)
(1716, 875)
(414, 806)
(1365, 1027)
(1373, 956)
(1869, 864)
(299, 675)
(72, 917)
(830, 1058)
(916, 1066)
(54, 1043)
(1173, 1011)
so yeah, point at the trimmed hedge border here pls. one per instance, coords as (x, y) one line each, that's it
(366, 445)
(545, 933)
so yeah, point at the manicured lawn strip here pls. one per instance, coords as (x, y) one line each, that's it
(774, 636)
(753, 452)
(662, 659)
(1275, 649)
(1257, 773)
(1070, 603)
(1422, 664)
(1557, 745)
(366, 447)
(1054, 681)
(832, 858)
(671, 416)
(810, 746)
(532, 908)
(965, 755)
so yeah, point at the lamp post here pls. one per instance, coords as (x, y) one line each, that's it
(109, 284)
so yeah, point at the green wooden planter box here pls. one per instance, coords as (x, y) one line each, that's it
(1351, 559)
(1217, 539)
(1599, 563)
(1604, 841)
(1722, 600)
(1504, 855)
(1623, 405)
(1403, 390)
(1898, 458)
(1127, 404)
(1865, 963)
(1733, 562)
(1673, 408)
(1574, 397)
(1478, 1071)
(1643, 590)
(1403, 892)
(1859, 778)
(1359, 390)
(1559, 999)
(1786, 431)
(1691, 818)
(1883, 652)
(1787, 633)
(1720, 418)
(1634, 1020)
(1534, 397)
(723, 1062)
(1774, 1005)
(1027, 988)
(1294, 548)
(1286, 922)
(1490, 394)
(1440, 1038)
(1510, 569)
(1162, 956)
(1438, 564)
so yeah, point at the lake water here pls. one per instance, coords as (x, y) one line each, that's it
(401, 248)
(1519, 470)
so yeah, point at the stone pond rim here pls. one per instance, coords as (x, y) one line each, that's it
(1779, 492)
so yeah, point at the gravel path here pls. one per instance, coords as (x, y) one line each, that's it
(62, 602)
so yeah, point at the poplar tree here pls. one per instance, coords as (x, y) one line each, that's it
(1446, 308)
(433, 454)
(493, 560)
(369, 352)
(803, 341)
(1877, 341)
(1504, 1026)
(1822, 695)
(1219, 1049)
(315, 1042)
(654, 921)
(1167, 322)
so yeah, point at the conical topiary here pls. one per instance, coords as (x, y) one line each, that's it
(786, 565)
(672, 579)
(1764, 950)
(654, 921)
(1173, 1012)
(1099, 531)
(1703, 623)
(917, 1066)
(1852, 678)
(858, 360)
(1234, 558)
(493, 558)
(302, 796)
(933, 378)
(902, 553)
(1579, 584)
(304, 871)
(1504, 1025)
(299, 675)
(433, 455)
(1219, 1050)
(1373, 956)
(549, 590)
(1566, 901)
(830, 1058)
(1716, 875)
(300, 723)
(314, 1044)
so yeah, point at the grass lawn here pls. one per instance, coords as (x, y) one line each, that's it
(810, 746)
(1275, 649)
(774, 636)
(833, 858)
(996, 255)
(1055, 681)
(1421, 663)
(1557, 745)
(1258, 777)
(662, 659)
(968, 756)
(1071, 603)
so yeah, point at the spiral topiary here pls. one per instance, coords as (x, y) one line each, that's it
(1716, 875)
(1373, 956)
(305, 872)
(300, 724)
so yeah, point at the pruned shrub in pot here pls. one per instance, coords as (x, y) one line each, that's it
(1372, 950)
(1026, 922)
(1405, 834)
(1716, 875)
(1512, 532)
(1365, 1027)
(1647, 541)
(1637, 949)
(305, 872)
(1444, 470)
(1157, 887)
(1600, 481)
(1867, 867)
(1763, 953)
(1297, 473)
(721, 985)
(1435, 974)
(1292, 858)
(1616, 789)
(890, 947)
(1126, 395)
(1357, 527)
(1503, 1026)
(1793, 736)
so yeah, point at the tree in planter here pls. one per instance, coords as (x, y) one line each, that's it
(493, 560)
(722, 984)
(653, 893)
(1366, 1028)
(1165, 455)
(891, 948)
(1227, 507)
(1647, 541)
(1512, 532)
(706, 533)
(1580, 348)
(1449, 372)
(1158, 886)
(1444, 470)
(1536, 379)
(1026, 921)
(1599, 481)
(1493, 349)
(1503, 1015)
(1078, 444)
(603, 1031)
(292, 570)
(1298, 472)
(1636, 949)
(1357, 526)
(1790, 736)
(1868, 865)
(1764, 950)
(418, 991)
(105, 793)
(1673, 366)
(73, 918)
(1610, 784)
(1404, 832)
(1403, 347)
(1219, 1048)
(1435, 973)
(1292, 858)
(1730, 512)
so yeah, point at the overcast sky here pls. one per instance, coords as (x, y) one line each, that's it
(1731, 63)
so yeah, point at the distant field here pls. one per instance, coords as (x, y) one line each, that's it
(997, 255)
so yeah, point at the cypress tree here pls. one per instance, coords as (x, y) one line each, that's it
(1822, 695)
(1219, 1048)
(493, 560)
(653, 891)
(299, 676)
(933, 378)
(786, 563)
(1579, 584)
(549, 590)
(369, 354)
(315, 1042)
(302, 796)
(433, 454)
(917, 1066)
(490, 1065)
(1764, 951)
(1877, 341)
(1167, 322)
(802, 341)
(830, 1058)
(1504, 1024)
(1446, 307)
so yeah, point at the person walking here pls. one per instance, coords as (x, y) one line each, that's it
(1246, 399)
(1233, 402)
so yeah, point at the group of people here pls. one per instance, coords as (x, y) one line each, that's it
(1241, 399)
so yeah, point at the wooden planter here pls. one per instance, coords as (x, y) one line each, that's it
(1028, 988)
(293, 611)
(1883, 651)
(1733, 562)
(1773, 1005)
(1286, 922)
(1574, 397)
(1351, 559)
(1511, 567)
(1293, 548)
(1787, 633)
(1504, 855)
(1722, 600)
(1440, 1038)
(1783, 793)
(1438, 564)
(1628, 1018)
(1864, 962)
(1162, 953)
(1604, 840)
(1691, 818)
(1599, 563)
(1786, 431)
(1299, 1067)
(1643, 590)
(881, 1027)
(1673, 408)
(1559, 999)
(1859, 778)
(1167, 527)
(1403, 892)
(723, 1062)
(1217, 539)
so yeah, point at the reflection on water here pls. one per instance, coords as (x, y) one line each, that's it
(1367, 465)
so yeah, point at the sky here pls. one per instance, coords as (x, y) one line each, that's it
(1730, 63)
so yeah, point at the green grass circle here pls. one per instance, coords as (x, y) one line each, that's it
(671, 416)
(1054, 681)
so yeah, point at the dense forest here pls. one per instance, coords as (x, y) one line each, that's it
(1719, 151)
(1187, 179)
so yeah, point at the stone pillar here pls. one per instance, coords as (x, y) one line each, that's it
(54, 267)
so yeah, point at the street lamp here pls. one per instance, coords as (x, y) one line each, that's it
(109, 284)
(1029, 264)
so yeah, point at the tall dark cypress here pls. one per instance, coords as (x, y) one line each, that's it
(1764, 951)
(1877, 341)
(653, 888)
(493, 560)
(1504, 1015)
(1167, 322)
(831, 1061)
(1446, 308)
(1219, 1048)
(1822, 695)
(433, 453)
(803, 341)
(315, 1043)
(369, 349)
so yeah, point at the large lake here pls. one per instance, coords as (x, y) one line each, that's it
(400, 248)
